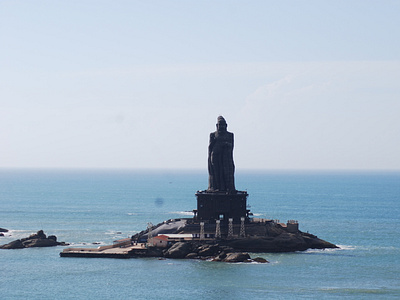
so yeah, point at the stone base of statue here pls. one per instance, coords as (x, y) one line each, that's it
(212, 206)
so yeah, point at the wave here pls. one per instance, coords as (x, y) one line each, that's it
(18, 234)
(184, 213)
(341, 248)
(345, 247)
(367, 247)
(377, 248)
(118, 234)
(250, 263)
(88, 245)
(328, 250)
(360, 291)
(351, 250)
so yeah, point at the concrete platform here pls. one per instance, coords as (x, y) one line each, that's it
(106, 251)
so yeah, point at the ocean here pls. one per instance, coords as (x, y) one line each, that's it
(358, 211)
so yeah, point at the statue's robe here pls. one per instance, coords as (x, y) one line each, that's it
(221, 167)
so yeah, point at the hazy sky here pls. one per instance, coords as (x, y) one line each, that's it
(140, 84)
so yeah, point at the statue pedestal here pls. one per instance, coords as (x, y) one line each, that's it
(213, 206)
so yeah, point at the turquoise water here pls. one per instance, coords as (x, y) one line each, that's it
(358, 211)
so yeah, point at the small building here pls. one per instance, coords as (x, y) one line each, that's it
(159, 241)
(292, 226)
(179, 237)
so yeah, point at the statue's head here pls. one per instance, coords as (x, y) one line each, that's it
(221, 124)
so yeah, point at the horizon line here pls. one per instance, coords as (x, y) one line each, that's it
(242, 170)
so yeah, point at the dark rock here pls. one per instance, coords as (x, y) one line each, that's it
(315, 243)
(220, 256)
(38, 239)
(1, 234)
(154, 252)
(39, 235)
(52, 237)
(191, 255)
(260, 237)
(209, 250)
(39, 243)
(178, 250)
(226, 249)
(284, 242)
(17, 244)
(162, 228)
(290, 242)
(260, 260)
(237, 257)
(3, 230)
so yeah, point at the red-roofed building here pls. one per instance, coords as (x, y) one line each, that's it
(159, 241)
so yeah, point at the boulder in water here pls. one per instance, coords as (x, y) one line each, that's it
(38, 239)
(237, 257)
(17, 244)
(178, 250)
(39, 243)
(260, 260)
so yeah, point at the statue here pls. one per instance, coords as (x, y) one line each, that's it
(221, 167)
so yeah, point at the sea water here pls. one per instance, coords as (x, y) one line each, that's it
(357, 211)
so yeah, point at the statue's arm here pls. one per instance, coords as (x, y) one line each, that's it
(212, 142)
(229, 142)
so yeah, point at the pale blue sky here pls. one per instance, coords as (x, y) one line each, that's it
(139, 84)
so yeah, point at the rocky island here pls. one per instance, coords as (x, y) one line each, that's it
(222, 228)
(38, 239)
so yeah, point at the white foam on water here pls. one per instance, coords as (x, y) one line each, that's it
(184, 213)
(87, 245)
(341, 248)
(363, 248)
(114, 232)
(18, 234)
(345, 247)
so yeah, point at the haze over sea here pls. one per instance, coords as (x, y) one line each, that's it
(357, 211)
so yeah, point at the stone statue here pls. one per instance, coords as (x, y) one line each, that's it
(221, 167)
